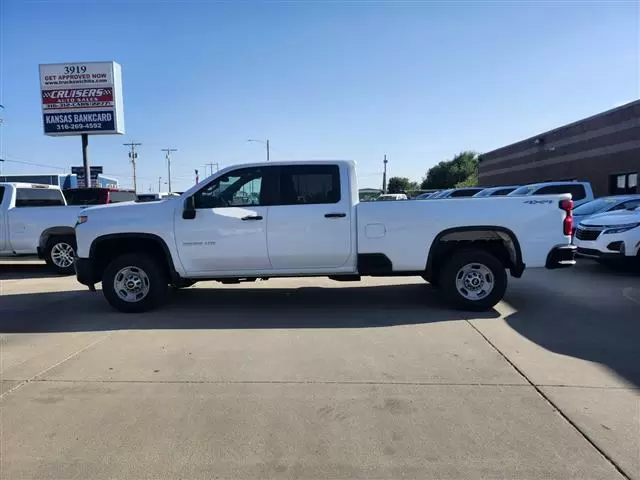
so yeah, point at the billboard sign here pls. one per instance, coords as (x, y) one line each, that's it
(81, 98)
(79, 171)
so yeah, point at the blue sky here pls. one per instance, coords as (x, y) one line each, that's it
(419, 81)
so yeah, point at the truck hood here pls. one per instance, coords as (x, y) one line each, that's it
(619, 217)
(131, 209)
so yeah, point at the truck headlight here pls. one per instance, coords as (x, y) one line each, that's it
(621, 228)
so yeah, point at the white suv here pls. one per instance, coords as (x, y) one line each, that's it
(610, 236)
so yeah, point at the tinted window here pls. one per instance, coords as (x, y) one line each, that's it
(502, 192)
(83, 196)
(38, 197)
(526, 190)
(117, 197)
(309, 184)
(595, 206)
(467, 192)
(148, 197)
(238, 188)
(628, 205)
(576, 190)
(1, 194)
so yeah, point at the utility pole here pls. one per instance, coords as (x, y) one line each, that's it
(159, 183)
(211, 167)
(268, 150)
(384, 175)
(133, 155)
(168, 152)
(197, 178)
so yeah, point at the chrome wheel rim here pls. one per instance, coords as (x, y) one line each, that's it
(131, 284)
(475, 281)
(62, 255)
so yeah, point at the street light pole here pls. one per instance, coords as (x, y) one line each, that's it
(264, 142)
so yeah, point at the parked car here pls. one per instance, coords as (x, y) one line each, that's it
(308, 222)
(391, 196)
(611, 236)
(153, 197)
(98, 196)
(581, 192)
(496, 191)
(603, 205)
(457, 192)
(35, 220)
(424, 196)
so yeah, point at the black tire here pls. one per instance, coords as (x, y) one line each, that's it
(56, 254)
(467, 257)
(157, 283)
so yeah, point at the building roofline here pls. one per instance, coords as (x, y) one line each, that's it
(567, 125)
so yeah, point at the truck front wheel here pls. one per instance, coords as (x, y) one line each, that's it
(473, 280)
(134, 283)
(59, 254)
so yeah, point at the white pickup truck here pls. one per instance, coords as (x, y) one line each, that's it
(304, 219)
(35, 219)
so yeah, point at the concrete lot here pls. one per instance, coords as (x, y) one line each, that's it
(318, 379)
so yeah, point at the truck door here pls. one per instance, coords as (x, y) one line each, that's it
(229, 232)
(310, 223)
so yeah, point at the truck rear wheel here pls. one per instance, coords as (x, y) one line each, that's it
(473, 280)
(60, 254)
(134, 283)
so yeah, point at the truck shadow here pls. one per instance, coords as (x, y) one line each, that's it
(608, 337)
(240, 308)
(19, 271)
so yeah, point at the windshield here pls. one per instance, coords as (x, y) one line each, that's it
(526, 190)
(595, 206)
(84, 196)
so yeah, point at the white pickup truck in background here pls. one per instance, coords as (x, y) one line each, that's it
(304, 219)
(35, 220)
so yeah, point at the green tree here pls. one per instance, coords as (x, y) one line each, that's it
(401, 185)
(461, 170)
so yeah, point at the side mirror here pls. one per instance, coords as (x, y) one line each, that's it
(189, 212)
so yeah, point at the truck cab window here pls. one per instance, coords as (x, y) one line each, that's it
(309, 184)
(1, 194)
(238, 188)
(39, 197)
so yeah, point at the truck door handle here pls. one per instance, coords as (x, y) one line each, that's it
(252, 217)
(335, 215)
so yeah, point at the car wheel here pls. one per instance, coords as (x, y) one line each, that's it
(473, 280)
(60, 254)
(134, 283)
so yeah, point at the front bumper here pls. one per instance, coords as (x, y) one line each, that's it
(85, 273)
(561, 256)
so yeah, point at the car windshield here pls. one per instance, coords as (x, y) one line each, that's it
(596, 206)
(525, 190)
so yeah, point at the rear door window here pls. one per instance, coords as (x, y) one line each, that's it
(39, 197)
(309, 184)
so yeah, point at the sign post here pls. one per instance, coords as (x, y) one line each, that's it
(82, 98)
